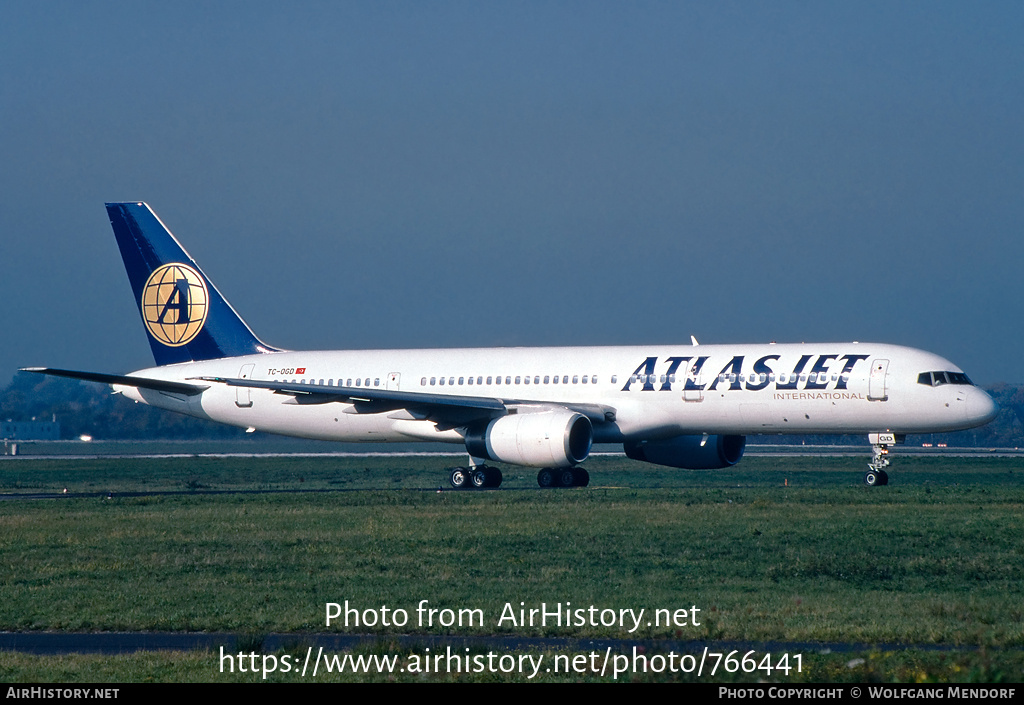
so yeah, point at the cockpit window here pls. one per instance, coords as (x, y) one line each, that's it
(935, 379)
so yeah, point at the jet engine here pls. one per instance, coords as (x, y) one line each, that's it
(557, 438)
(688, 452)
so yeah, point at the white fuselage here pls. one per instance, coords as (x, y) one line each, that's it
(651, 392)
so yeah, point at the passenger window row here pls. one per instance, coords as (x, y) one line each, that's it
(358, 382)
(507, 380)
(752, 377)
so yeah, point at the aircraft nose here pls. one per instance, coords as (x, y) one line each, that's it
(979, 408)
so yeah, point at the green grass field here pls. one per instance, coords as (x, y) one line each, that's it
(779, 549)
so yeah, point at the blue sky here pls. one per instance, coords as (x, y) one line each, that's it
(419, 174)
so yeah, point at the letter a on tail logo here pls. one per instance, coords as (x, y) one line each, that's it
(174, 304)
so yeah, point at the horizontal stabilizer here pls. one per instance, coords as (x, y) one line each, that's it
(159, 385)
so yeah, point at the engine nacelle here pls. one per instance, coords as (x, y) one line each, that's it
(547, 439)
(687, 452)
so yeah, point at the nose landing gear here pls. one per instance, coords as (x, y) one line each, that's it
(876, 474)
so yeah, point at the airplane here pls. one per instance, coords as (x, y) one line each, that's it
(684, 406)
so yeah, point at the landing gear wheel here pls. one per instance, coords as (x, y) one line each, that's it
(883, 477)
(872, 478)
(494, 477)
(459, 478)
(479, 478)
(566, 478)
(546, 477)
(582, 477)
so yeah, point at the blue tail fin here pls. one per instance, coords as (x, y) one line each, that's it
(185, 316)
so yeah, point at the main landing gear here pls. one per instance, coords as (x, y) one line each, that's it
(563, 477)
(475, 478)
(484, 476)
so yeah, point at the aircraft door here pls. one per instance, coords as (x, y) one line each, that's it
(243, 399)
(693, 386)
(877, 390)
(393, 381)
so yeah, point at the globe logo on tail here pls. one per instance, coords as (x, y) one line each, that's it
(174, 304)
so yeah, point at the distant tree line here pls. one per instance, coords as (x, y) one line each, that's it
(84, 408)
(91, 409)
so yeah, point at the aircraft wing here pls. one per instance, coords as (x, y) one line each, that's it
(160, 385)
(447, 410)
